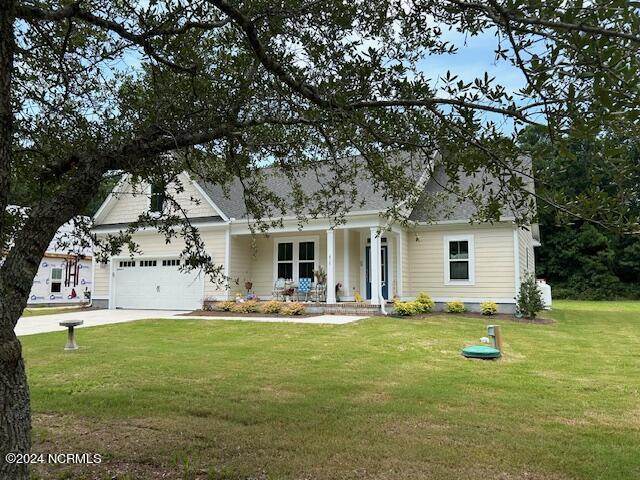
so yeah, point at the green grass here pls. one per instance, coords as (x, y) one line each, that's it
(381, 398)
(37, 311)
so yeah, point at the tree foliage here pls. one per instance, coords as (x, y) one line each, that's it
(583, 259)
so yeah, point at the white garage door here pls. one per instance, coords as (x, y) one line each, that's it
(150, 283)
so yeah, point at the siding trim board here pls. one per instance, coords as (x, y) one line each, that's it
(516, 260)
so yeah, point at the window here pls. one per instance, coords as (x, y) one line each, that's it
(127, 263)
(285, 260)
(148, 263)
(459, 268)
(157, 198)
(171, 263)
(295, 258)
(56, 280)
(306, 259)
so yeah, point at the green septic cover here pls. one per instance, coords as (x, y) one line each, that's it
(480, 351)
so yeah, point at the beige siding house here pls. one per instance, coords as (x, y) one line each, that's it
(449, 258)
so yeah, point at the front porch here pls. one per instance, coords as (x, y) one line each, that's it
(363, 265)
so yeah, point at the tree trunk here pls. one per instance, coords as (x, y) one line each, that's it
(7, 17)
(15, 415)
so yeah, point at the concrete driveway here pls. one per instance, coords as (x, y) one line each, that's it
(92, 318)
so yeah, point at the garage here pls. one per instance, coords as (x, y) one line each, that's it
(156, 283)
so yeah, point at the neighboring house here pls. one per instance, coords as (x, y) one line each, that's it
(65, 273)
(448, 257)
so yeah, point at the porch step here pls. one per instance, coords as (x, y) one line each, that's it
(343, 308)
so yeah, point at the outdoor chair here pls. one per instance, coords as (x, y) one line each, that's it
(318, 294)
(278, 288)
(304, 288)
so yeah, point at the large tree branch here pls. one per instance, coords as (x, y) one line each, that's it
(311, 92)
(509, 16)
(143, 40)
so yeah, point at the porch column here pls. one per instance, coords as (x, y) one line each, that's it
(400, 266)
(331, 268)
(374, 266)
(227, 263)
(346, 286)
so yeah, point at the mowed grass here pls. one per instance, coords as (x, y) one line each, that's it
(381, 398)
(37, 311)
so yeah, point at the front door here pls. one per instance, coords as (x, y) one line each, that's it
(384, 271)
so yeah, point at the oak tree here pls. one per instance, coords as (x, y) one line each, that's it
(223, 87)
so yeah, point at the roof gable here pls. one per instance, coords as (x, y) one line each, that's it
(127, 201)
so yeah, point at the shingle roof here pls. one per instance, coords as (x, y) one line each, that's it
(370, 195)
(447, 205)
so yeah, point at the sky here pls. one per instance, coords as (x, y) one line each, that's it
(474, 57)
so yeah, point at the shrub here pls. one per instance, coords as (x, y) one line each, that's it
(237, 307)
(245, 307)
(226, 306)
(489, 308)
(424, 303)
(292, 308)
(251, 306)
(272, 306)
(405, 308)
(529, 301)
(455, 307)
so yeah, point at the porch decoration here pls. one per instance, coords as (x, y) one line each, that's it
(248, 285)
(304, 288)
(321, 275)
(338, 290)
(278, 288)
(288, 293)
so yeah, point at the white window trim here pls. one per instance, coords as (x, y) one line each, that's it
(296, 253)
(149, 194)
(472, 267)
(52, 281)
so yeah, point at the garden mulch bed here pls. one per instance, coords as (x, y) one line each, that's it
(496, 317)
(220, 313)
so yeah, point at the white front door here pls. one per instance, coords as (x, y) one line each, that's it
(152, 283)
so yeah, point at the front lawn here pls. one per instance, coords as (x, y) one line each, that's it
(37, 311)
(381, 398)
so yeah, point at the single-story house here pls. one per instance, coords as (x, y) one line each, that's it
(446, 256)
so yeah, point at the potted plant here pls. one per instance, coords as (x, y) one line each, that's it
(248, 285)
(321, 275)
(288, 293)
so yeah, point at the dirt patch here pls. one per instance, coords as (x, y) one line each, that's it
(136, 448)
(219, 314)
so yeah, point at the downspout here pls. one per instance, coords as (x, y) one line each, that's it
(93, 278)
(383, 301)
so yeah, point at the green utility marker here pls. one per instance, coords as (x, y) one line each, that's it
(481, 351)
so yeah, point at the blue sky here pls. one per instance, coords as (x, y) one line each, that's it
(474, 57)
